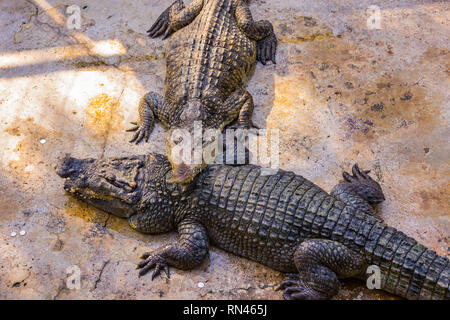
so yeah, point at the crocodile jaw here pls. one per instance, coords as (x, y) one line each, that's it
(106, 184)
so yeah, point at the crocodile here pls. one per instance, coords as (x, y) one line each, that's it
(213, 47)
(282, 221)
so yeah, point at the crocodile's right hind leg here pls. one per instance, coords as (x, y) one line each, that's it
(151, 105)
(174, 18)
(359, 191)
(320, 264)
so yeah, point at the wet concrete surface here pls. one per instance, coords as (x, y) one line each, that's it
(340, 93)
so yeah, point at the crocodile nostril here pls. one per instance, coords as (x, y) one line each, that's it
(64, 168)
(68, 166)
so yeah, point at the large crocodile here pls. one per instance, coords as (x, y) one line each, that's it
(283, 221)
(214, 48)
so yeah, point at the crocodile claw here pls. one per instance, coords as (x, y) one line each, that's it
(141, 133)
(357, 175)
(295, 290)
(266, 49)
(162, 25)
(136, 126)
(364, 185)
(151, 261)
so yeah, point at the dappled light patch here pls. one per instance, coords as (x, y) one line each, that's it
(103, 114)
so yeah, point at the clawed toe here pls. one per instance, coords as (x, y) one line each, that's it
(136, 127)
(266, 50)
(145, 255)
(162, 26)
(286, 283)
(357, 174)
(292, 276)
(296, 296)
(364, 185)
(295, 292)
(140, 134)
(243, 126)
(299, 292)
(295, 289)
(159, 27)
(153, 261)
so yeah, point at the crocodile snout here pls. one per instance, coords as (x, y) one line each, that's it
(68, 166)
(98, 182)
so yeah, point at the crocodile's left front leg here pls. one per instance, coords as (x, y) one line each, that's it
(187, 253)
(151, 105)
(261, 31)
(239, 106)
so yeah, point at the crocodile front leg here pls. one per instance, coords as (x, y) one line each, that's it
(174, 18)
(151, 105)
(240, 105)
(359, 191)
(261, 31)
(187, 253)
(320, 264)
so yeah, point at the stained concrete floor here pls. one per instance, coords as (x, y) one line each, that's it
(340, 93)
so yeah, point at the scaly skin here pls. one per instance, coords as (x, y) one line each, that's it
(213, 47)
(282, 221)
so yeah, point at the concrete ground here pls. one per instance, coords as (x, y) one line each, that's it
(340, 93)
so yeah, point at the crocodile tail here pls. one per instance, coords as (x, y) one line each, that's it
(409, 269)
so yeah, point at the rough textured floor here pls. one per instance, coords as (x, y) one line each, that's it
(340, 93)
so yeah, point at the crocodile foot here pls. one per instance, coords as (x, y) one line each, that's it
(266, 49)
(242, 132)
(151, 261)
(242, 129)
(294, 289)
(364, 185)
(247, 126)
(142, 132)
(163, 25)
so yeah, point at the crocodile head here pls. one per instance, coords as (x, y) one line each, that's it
(120, 186)
(192, 144)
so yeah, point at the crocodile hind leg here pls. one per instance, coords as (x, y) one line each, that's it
(261, 31)
(174, 18)
(320, 264)
(151, 105)
(359, 190)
